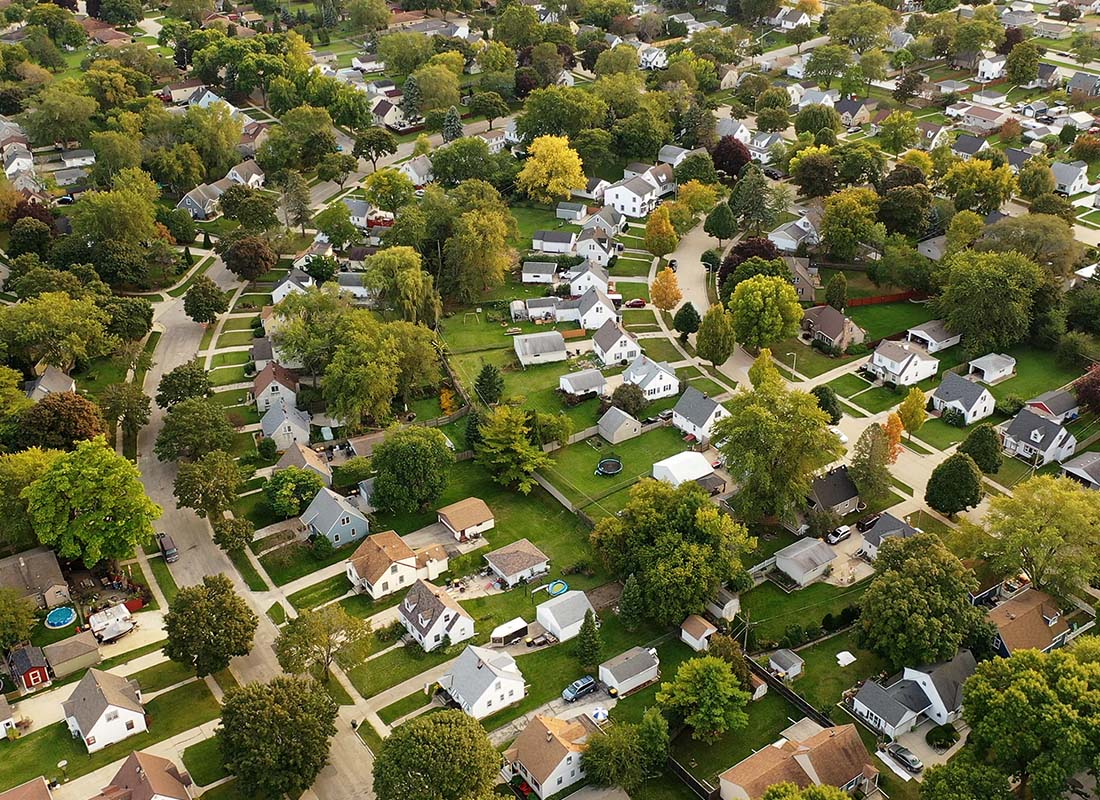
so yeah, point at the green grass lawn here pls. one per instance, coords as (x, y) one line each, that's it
(707, 386)
(631, 290)
(771, 610)
(239, 323)
(320, 593)
(289, 563)
(161, 676)
(661, 349)
(1037, 371)
(163, 576)
(859, 285)
(42, 636)
(227, 375)
(1012, 471)
(203, 762)
(885, 319)
(770, 539)
(848, 385)
(251, 302)
(806, 360)
(531, 218)
(249, 573)
(255, 508)
(639, 317)
(169, 714)
(235, 339)
(406, 705)
(878, 398)
(230, 359)
(823, 681)
(469, 332)
(231, 397)
(98, 374)
(631, 267)
(940, 435)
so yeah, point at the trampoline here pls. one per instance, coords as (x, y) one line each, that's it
(60, 617)
(610, 464)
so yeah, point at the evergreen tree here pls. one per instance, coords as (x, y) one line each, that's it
(473, 429)
(489, 385)
(836, 292)
(410, 98)
(452, 125)
(686, 320)
(631, 604)
(984, 446)
(721, 223)
(826, 398)
(206, 240)
(588, 642)
(750, 204)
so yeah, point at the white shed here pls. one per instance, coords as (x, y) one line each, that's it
(786, 663)
(562, 616)
(696, 631)
(682, 467)
(630, 670)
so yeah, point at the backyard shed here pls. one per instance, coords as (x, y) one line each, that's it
(562, 616)
(618, 426)
(992, 367)
(786, 663)
(467, 519)
(695, 631)
(631, 670)
(804, 561)
(682, 467)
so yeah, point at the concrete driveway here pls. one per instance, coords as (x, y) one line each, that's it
(914, 740)
(848, 567)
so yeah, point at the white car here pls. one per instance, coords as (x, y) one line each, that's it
(839, 434)
(839, 535)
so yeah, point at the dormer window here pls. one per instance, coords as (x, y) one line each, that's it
(274, 388)
(1036, 435)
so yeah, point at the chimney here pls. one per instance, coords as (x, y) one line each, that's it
(549, 736)
(140, 774)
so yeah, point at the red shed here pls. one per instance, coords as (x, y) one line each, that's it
(28, 667)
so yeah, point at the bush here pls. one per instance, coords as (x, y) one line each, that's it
(849, 615)
(321, 547)
(953, 417)
(1010, 405)
(857, 349)
(941, 737)
(794, 636)
(267, 449)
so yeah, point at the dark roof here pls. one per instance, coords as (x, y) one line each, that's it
(834, 487)
(1087, 463)
(825, 319)
(1017, 157)
(968, 144)
(895, 703)
(949, 676)
(955, 387)
(1059, 401)
(695, 406)
(555, 236)
(262, 349)
(609, 334)
(849, 106)
(1027, 421)
(26, 658)
(888, 526)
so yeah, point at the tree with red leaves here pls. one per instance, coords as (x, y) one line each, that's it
(34, 210)
(1087, 389)
(744, 250)
(730, 156)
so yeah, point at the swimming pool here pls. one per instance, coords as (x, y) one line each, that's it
(60, 617)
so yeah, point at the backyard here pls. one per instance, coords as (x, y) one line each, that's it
(886, 319)
(824, 681)
(770, 610)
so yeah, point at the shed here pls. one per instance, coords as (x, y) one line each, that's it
(518, 561)
(696, 631)
(467, 519)
(786, 663)
(725, 604)
(72, 654)
(539, 348)
(631, 670)
(682, 467)
(28, 667)
(562, 616)
(804, 561)
(569, 211)
(618, 426)
(992, 367)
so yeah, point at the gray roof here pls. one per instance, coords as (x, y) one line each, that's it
(541, 343)
(31, 572)
(834, 487)
(73, 647)
(98, 691)
(955, 387)
(899, 353)
(326, 508)
(568, 608)
(614, 419)
(728, 127)
(278, 414)
(1016, 157)
(476, 669)
(26, 658)
(1087, 464)
(356, 208)
(565, 206)
(262, 349)
(949, 676)
(1082, 81)
(785, 659)
(1059, 401)
(542, 302)
(516, 557)
(609, 334)
(1067, 173)
(590, 298)
(808, 554)
(895, 703)
(630, 664)
(649, 370)
(1027, 421)
(539, 267)
(554, 236)
(298, 277)
(428, 604)
(587, 380)
(969, 144)
(887, 527)
(935, 330)
(587, 266)
(50, 381)
(695, 406)
(827, 320)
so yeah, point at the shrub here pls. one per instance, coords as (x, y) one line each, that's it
(849, 615)
(954, 417)
(1010, 405)
(941, 737)
(858, 349)
(267, 449)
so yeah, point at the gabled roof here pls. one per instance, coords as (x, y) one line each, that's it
(1086, 464)
(26, 657)
(697, 627)
(274, 372)
(377, 553)
(609, 334)
(644, 370)
(31, 572)
(568, 608)
(144, 776)
(695, 407)
(1027, 421)
(1059, 401)
(587, 380)
(67, 649)
(34, 789)
(615, 418)
(558, 237)
(466, 513)
(98, 691)
(834, 487)
(630, 664)
(516, 557)
(957, 388)
(969, 144)
(808, 553)
(547, 741)
(1067, 173)
(887, 527)
(298, 455)
(281, 413)
(949, 676)
(540, 343)
(827, 320)
(539, 267)
(476, 670)
(894, 703)
(1024, 621)
(425, 603)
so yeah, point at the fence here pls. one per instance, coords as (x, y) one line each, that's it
(701, 789)
(788, 694)
(885, 298)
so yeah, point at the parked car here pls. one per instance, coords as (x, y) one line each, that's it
(579, 688)
(666, 414)
(773, 173)
(168, 548)
(672, 264)
(839, 534)
(855, 129)
(839, 434)
(905, 757)
(635, 303)
(867, 522)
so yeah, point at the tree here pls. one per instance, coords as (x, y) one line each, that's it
(765, 310)
(836, 292)
(205, 300)
(965, 778)
(773, 120)
(850, 221)
(182, 383)
(861, 25)
(664, 292)
(1047, 240)
(615, 759)
(18, 471)
(90, 504)
(730, 156)
(789, 791)
(445, 755)
(705, 694)
(913, 411)
(311, 641)
(869, 468)
(553, 170)
(56, 329)
(899, 131)
(907, 86)
(277, 766)
(335, 223)
(686, 320)
(828, 402)
(489, 385)
(894, 428)
(631, 604)
(773, 441)
(1044, 529)
(295, 194)
(506, 449)
(18, 616)
(721, 223)
(750, 202)
(412, 465)
(814, 171)
(233, 535)
(988, 298)
(61, 420)
(289, 491)
(374, 143)
(629, 398)
(715, 341)
(337, 167)
(489, 105)
(905, 209)
(452, 125)
(660, 237)
(816, 117)
(131, 317)
(126, 405)
(588, 642)
(977, 185)
(192, 428)
(388, 189)
(249, 257)
(1022, 63)
(208, 625)
(827, 63)
(209, 485)
(955, 485)
(29, 235)
(984, 446)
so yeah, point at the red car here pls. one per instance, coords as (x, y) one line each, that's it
(636, 303)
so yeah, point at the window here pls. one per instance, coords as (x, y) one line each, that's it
(393, 569)
(90, 740)
(112, 716)
(129, 724)
(345, 520)
(436, 639)
(488, 703)
(274, 388)
(335, 538)
(559, 780)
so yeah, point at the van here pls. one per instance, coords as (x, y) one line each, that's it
(168, 548)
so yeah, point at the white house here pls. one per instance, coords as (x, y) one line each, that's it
(991, 69)
(333, 516)
(548, 755)
(969, 398)
(294, 282)
(629, 671)
(519, 561)
(560, 242)
(656, 379)
(247, 173)
(285, 425)
(17, 158)
(1071, 178)
(931, 692)
(562, 616)
(682, 467)
(786, 663)
(592, 310)
(418, 170)
(805, 560)
(467, 519)
(788, 236)
(587, 276)
(542, 272)
(634, 197)
(887, 526)
(901, 363)
(735, 128)
(596, 247)
(613, 345)
(593, 190)
(607, 219)
(483, 681)
(51, 381)
(652, 58)
(1038, 439)
(539, 348)
(695, 414)
(797, 68)
(432, 617)
(819, 97)
(570, 212)
(104, 709)
(384, 563)
(696, 631)
(587, 381)
(933, 335)
(77, 158)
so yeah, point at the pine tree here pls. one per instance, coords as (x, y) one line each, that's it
(206, 240)
(410, 98)
(721, 224)
(750, 203)
(686, 320)
(473, 429)
(489, 385)
(188, 259)
(588, 642)
(452, 125)
(836, 292)
(631, 604)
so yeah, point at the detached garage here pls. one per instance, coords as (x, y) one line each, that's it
(633, 669)
(682, 467)
(562, 616)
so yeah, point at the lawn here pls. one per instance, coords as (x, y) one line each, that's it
(640, 318)
(277, 613)
(163, 576)
(879, 398)
(770, 610)
(848, 385)
(806, 360)
(859, 285)
(770, 539)
(885, 319)
(1037, 371)
(1012, 471)
(628, 267)
(535, 218)
(235, 339)
(255, 508)
(289, 563)
(203, 762)
(228, 375)
(230, 359)
(940, 435)
(406, 705)
(251, 576)
(469, 332)
(98, 374)
(169, 714)
(633, 290)
(161, 676)
(320, 593)
(661, 349)
(823, 681)
(251, 302)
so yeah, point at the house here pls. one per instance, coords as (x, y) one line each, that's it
(887, 526)
(673, 155)
(35, 575)
(592, 310)
(656, 379)
(384, 564)
(899, 40)
(180, 92)
(608, 219)
(735, 128)
(517, 562)
(596, 247)
(834, 491)
(201, 202)
(819, 97)
(571, 212)
(831, 328)
(695, 632)
(548, 754)
(144, 776)
(797, 68)
(585, 382)
(586, 276)
(28, 667)
(956, 110)
(562, 616)
(901, 363)
(930, 692)
(803, 276)
(17, 158)
(34, 789)
(1029, 620)
(593, 190)
(247, 173)
(538, 272)
(967, 397)
(1049, 29)
(652, 58)
(613, 345)
(695, 414)
(1085, 469)
(359, 211)
(294, 282)
(539, 348)
(989, 97)
(433, 618)
(1059, 404)
(104, 709)
(467, 519)
(991, 68)
(418, 170)
(70, 177)
(544, 308)
(77, 158)
(1070, 179)
(931, 135)
(984, 119)
(483, 681)
(1046, 79)
(854, 112)
(632, 197)
(629, 671)
(967, 146)
(617, 426)
(302, 457)
(682, 467)
(72, 655)
(560, 242)
(334, 517)
(786, 664)
(761, 144)
(805, 560)
(51, 381)
(825, 757)
(253, 134)
(788, 236)
(285, 425)
(1037, 439)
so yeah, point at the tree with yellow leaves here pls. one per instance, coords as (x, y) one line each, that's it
(697, 196)
(660, 236)
(665, 291)
(552, 171)
(894, 429)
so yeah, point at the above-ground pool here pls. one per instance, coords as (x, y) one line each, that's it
(557, 587)
(60, 617)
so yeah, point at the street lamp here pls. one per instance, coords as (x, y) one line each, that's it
(794, 362)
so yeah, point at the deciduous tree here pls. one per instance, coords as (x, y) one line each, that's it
(827, 400)
(233, 535)
(984, 446)
(765, 310)
(988, 298)
(61, 420)
(19, 470)
(249, 257)
(209, 485)
(374, 143)
(18, 616)
(660, 237)
(955, 485)
(208, 625)
(706, 696)
(894, 428)
(721, 223)
(553, 170)
(182, 383)
(506, 450)
(311, 641)
(870, 469)
(412, 465)
(447, 755)
(665, 292)
(126, 405)
(290, 491)
(716, 340)
(192, 428)
(205, 300)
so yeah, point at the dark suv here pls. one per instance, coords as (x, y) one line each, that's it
(579, 688)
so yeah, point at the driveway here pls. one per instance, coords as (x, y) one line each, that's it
(914, 740)
(848, 567)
